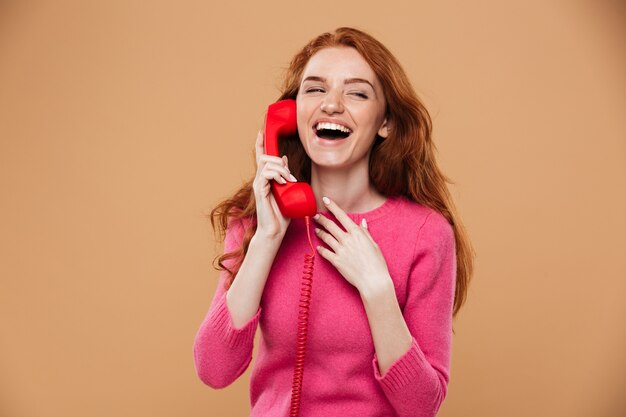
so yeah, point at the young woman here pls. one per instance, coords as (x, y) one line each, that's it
(394, 260)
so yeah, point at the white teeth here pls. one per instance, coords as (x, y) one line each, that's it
(333, 126)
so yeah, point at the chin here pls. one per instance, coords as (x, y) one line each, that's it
(329, 162)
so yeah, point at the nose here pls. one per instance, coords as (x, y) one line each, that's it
(332, 103)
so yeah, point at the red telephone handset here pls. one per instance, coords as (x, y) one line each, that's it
(295, 199)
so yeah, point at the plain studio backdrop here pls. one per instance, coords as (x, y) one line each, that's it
(123, 122)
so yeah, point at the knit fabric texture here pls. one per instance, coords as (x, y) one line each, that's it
(341, 373)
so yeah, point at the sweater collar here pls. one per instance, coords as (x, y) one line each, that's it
(382, 210)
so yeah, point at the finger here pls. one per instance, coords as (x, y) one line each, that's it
(291, 177)
(341, 215)
(272, 169)
(274, 160)
(273, 175)
(365, 228)
(326, 254)
(259, 147)
(330, 226)
(327, 238)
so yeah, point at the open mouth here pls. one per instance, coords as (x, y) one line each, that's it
(331, 131)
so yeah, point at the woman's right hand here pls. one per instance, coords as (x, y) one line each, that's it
(271, 224)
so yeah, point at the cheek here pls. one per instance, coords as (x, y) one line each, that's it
(304, 114)
(303, 124)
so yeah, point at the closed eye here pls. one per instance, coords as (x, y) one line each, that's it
(362, 95)
(314, 89)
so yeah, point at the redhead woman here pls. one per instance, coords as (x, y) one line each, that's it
(392, 258)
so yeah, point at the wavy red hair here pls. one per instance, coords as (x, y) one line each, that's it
(402, 164)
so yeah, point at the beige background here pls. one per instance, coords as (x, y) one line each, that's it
(122, 122)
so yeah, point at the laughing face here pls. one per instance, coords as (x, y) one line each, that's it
(341, 108)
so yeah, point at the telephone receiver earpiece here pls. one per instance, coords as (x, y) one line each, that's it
(294, 199)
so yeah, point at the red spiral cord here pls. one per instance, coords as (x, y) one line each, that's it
(303, 321)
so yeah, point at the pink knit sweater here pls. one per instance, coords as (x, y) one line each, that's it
(341, 374)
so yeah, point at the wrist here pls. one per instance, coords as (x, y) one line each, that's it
(267, 242)
(375, 288)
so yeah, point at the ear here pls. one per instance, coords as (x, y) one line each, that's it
(384, 128)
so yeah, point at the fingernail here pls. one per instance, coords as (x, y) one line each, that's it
(364, 222)
(293, 178)
(326, 200)
(317, 216)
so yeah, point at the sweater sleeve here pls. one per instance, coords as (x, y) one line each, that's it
(417, 382)
(221, 351)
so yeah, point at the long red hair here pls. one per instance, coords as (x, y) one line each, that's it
(402, 164)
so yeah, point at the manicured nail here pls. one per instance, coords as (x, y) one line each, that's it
(317, 216)
(293, 178)
(326, 200)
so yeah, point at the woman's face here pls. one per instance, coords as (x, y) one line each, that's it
(341, 108)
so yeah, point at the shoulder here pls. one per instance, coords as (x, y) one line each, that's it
(236, 229)
(428, 227)
(423, 217)
(242, 223)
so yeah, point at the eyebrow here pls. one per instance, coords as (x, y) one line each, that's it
(346, 81)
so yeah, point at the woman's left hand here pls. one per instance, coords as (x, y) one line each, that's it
(354, 252)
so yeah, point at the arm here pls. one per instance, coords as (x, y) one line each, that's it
(390, 333)
(223, 344)
(413, 346)
(244, 295)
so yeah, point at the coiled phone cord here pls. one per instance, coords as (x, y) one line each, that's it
(303, 321)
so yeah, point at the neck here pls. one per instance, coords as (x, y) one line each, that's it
(348, 187)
